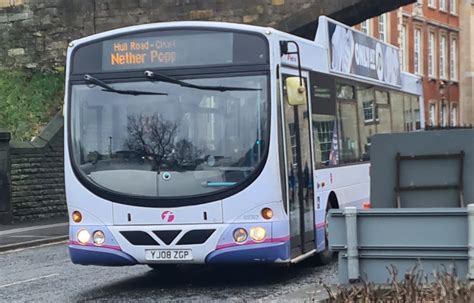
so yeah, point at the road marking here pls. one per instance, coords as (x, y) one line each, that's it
(27, 236)
(23, 229)
(29, 280)
(55, 241)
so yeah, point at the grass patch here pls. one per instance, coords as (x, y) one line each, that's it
(28, 100)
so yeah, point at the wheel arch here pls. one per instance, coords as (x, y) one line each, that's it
(332, 200)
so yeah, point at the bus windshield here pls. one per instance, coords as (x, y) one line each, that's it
(188, 142)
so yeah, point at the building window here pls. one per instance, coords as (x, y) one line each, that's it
(442, 57)
(370, 113)
(403, 48)
(432, 114)
(365, 27)
(454, 115)
(453, 63)
(453, 7)
(431, 55)
(383, 27)
(443, 115)
(431, 3)
(417, 119)
(417, 52)
(442, 5)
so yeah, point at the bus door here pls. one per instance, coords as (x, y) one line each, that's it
(296, 121)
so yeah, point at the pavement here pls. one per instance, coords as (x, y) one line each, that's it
(28, 234)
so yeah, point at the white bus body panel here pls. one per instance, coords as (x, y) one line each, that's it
(349, 183)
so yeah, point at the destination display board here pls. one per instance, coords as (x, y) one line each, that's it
(352, 52)
(167, 51)
(170, 49)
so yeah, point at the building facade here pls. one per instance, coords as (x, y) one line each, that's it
(428, 35)
(466, 15)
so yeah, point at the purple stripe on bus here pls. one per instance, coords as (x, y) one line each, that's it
(89, 255)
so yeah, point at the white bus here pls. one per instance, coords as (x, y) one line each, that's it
(211, 143)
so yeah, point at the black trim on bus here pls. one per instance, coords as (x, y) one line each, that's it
(167, 236)
(188, 73)
(343, 165)
(144, 32)
(197, 236)
(136, 237)
(156, 202)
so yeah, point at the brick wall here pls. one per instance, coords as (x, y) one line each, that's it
(37, 175)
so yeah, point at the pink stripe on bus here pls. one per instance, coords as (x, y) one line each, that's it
(273, 240)
(320, 225)
(92, 245)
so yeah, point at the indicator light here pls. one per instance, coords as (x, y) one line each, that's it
(76, 216)
(267, 213)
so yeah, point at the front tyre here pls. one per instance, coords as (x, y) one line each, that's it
(164, 268)
(326, 256)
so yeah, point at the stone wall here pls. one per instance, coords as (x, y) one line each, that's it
(35, 33)
(37, 175)
(5, 205)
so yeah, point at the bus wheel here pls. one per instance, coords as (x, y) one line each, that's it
(326, 256)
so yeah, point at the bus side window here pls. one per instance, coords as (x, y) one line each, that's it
(348, 136)
(323, 115)
(396, 105)
(325, 140)
(368, 118)
(384, 124)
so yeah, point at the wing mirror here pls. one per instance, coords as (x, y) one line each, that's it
(296, 91)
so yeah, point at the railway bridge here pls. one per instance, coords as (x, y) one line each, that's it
(35, 32)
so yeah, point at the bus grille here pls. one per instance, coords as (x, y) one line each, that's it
(197, 236)
(139, 238)
(167, 236)
(192, 237)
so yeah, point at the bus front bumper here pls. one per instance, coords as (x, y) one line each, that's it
(219, 248)
(85, 255)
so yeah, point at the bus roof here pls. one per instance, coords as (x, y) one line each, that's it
(365, 58)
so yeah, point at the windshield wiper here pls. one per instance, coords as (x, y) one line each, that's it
(160, 77)
(110, 89)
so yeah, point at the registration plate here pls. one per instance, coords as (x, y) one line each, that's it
(168, 254)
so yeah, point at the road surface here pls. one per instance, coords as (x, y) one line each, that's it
(46, 274)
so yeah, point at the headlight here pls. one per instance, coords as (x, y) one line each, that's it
(83, 236)
(240, 235)
(257, 233)
(98, 237)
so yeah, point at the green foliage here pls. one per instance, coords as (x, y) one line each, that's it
(28, 100)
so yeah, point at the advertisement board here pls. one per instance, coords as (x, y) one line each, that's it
(352, 52)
